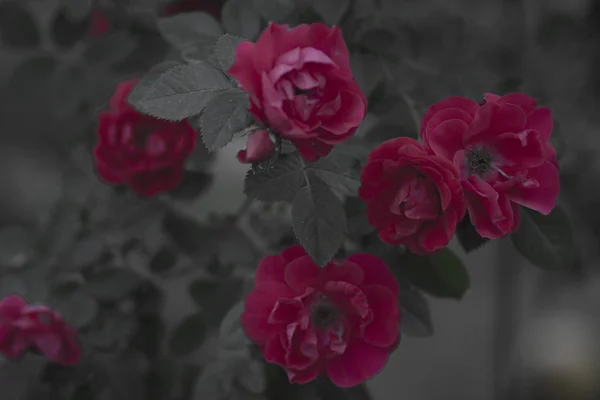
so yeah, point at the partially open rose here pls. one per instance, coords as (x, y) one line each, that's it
(301, 86)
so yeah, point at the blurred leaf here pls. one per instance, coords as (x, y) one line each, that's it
(546, 241)
(182, 91)
(183, 30)
(78, 309)
(70, 86)
(378, 40)
(62, 229)
(280, 182)
(232, 322)
(252, 377)
(327, 390)
(468, 237)
(203, 291)
(225, 50)
(416, 317)
(356, 215)
(366, 71)
(193, 184)
(557, 140)
(88, 250)
(66, 31)
(30, 83)
(199, 51)
(331, 11)
(113, 284)
(18, 28)
(216, 382)
(163, 260)
(216, 298)
(199, 241)
(225, 115)
(319, 221)
(109, 50)
(143, 86)
(111, 329)
(507, 85)
(241, 18)
(441, 274)
(188, 336)
(274, 10)
(16, 245)
(77, 10)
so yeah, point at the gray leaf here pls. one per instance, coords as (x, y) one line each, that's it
(183, 91)
(279, 182)
(225, 50)
(225, 115)
(185, 29)
(241, 18)
(319, 221)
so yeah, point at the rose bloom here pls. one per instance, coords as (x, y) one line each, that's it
(502, 151)
(413, 198)
(301, 85)
(145, 152)
(38, 328)
(340, 321)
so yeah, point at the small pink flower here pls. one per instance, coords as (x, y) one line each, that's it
(260, 147)
(503, 154)
(145, 152)
(301, 86)
(24, 327)
(340, 321)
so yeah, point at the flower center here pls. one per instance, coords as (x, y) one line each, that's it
(479, 161)
(324, 314)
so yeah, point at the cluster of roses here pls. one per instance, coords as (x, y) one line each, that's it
(342, 320)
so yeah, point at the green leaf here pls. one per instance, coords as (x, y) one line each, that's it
(416, 316)
(319, 221)
(441, 274)
(77, 9)
(185, 29)
(331, 11)
(546, 241)
(18, 28)
(113, 284)
(143, 86)
(274, 10)
(225, 50)
(280, 182)
(183, 91)
(241, 18)
(468, 237)
(188, 336)
(225, 115)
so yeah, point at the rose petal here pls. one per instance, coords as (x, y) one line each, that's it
(302, 273)
(383, 331)
(359, 362)
(376, 272)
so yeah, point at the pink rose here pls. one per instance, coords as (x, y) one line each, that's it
(259, 148)
(301, 86)
(502, 151)
(140, 150)
(39, 328)
(413, 198)
(340, 321)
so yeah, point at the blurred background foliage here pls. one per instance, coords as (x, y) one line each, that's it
(154, 285)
